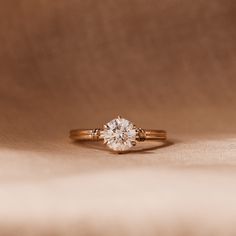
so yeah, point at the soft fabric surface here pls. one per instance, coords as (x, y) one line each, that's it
(77, 64)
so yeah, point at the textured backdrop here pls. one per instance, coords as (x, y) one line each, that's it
(77, 64)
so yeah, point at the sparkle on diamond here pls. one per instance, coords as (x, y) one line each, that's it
(119, 134)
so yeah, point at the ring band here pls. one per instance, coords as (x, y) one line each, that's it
(95, 134)
(119, 134)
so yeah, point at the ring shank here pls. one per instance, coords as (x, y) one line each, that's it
(155, 134)
(84, 135)
(95, 135)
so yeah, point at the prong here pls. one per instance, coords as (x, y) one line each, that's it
(133, 143)
(105, 126)
(119, 117)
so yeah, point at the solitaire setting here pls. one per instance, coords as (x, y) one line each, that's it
(118, 134)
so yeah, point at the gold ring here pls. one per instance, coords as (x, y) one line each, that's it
(119, 134)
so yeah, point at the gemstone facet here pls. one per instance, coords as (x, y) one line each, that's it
(119, 134)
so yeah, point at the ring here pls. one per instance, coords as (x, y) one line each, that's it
(119, 134)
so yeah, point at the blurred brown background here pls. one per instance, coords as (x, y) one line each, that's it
(78, 64)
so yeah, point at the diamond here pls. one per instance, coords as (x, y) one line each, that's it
(119, 134)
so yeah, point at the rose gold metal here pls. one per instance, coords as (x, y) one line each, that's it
(95, 135)
(85, 134)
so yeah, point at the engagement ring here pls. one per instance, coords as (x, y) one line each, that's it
(119, 134)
